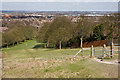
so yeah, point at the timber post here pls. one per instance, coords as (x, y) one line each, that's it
(104, 49)
(111, 50)
(92, 51)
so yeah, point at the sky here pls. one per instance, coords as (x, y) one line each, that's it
(60, 0)
(60, 5)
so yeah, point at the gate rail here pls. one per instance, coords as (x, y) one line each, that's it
(102, 52)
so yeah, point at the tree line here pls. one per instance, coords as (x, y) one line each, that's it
(62, 32)
(16, 33)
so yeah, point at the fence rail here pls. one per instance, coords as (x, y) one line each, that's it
(102, 52)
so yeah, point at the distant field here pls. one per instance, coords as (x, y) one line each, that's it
(28, 61)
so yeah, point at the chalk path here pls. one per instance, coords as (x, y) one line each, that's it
(106, 62)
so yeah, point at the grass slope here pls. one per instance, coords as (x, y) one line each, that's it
(28, 61)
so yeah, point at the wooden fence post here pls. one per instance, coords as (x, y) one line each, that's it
(92, 51)
(111, 50)
(104, 48)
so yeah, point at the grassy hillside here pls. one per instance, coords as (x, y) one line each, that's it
(31, 60)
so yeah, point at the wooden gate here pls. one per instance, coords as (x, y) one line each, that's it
(98, 52)
(102, 51)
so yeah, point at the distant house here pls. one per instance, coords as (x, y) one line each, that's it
(3, 29)
(7, 16)
(74, 19)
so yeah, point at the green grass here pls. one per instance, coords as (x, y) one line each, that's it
(33, 61)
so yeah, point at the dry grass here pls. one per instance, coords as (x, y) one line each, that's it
(53, 63)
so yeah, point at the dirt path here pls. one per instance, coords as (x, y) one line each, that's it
(106, 62)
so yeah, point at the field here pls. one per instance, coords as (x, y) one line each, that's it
(31, 60)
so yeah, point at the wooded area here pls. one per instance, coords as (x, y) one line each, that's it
(62, 32)
(17, 32)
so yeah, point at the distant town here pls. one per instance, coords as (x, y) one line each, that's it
(37, 19)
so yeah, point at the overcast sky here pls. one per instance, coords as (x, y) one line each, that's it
(60, 5)
(60, 0)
